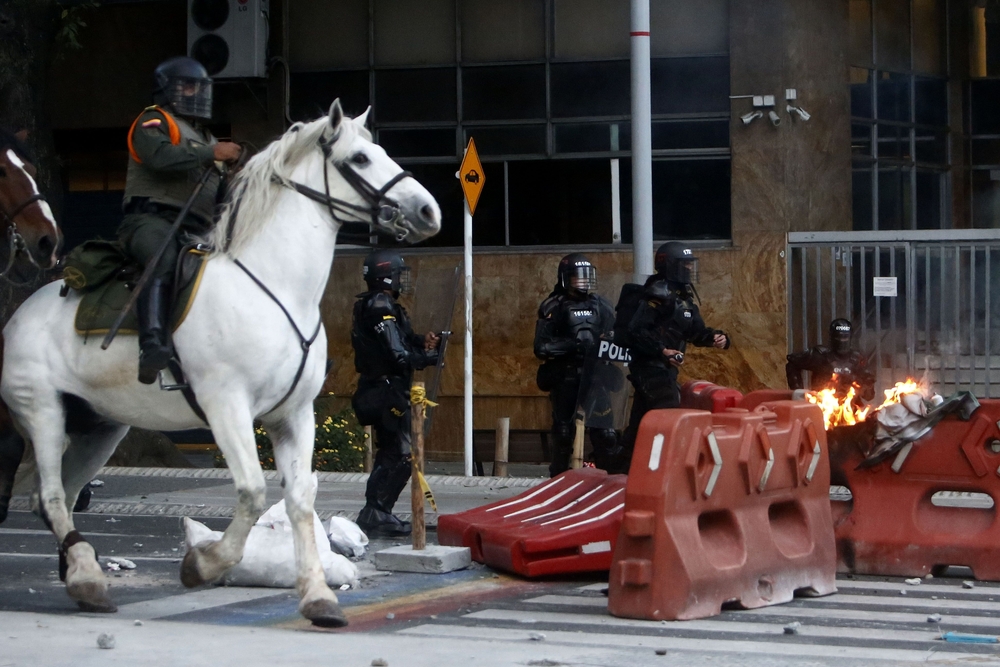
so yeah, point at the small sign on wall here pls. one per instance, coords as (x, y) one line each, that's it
(884, 286)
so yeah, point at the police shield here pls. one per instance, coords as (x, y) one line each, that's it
(604, 390)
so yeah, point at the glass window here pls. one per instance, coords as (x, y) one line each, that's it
(986, 152)
(932, 146)
(440, 181)
(861, 190)
(894, 204)
(312, 93)
(931, 101)
(689, 85)
(929, 23)
(414, 33)
(893, 97)
(861, 140)
(681, 27)
(504, 92)
(861, 33)
(508, 139)
(930, 189)
(892, 34)
(690, 134)
(592, 137)
(691, 199)
(328, 35)
(418, 143)
(986, 198)
(861, 93)
(590, 89)
(893, 142)
(984, 102)
(559, 202)
(502, 30)
(591, 29)
(411, 95)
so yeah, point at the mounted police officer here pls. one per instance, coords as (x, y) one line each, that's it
(169, 151)
(665, 321)
(386, 352)
(571, 321)
(837, 364)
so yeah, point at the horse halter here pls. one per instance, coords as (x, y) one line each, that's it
(384, 213)
(15, 241)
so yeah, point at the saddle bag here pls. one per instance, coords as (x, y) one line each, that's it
(93, 263)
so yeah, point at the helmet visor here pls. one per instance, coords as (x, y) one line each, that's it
(190, 97)
(583, 279)
(687, 270)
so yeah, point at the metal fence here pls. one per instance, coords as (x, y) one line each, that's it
(924, 304)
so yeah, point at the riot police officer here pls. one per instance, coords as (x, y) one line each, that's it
(168, 153)
(848, 365)
(571, 321)
(665, 320)
(386, 352)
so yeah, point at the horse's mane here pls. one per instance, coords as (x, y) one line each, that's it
(9, 140)
(254, 192)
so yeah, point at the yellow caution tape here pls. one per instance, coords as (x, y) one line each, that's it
(428, 494)
(418, 396)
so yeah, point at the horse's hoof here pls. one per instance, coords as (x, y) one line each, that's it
(190, 576)
(92, 596)
(324, 613)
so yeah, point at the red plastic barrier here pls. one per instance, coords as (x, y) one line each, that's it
(702, 395)
(724, 507)
(755, 398)
(568, 524)
(892, 527)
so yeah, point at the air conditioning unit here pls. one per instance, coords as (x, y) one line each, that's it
(229, 37)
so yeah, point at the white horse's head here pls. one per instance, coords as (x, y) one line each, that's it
(379, 190)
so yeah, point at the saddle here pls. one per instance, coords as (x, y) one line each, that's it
(105, 277)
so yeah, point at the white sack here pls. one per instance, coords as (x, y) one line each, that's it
(269, 555)
(347, 538)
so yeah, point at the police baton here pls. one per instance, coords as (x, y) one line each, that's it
(151, 264)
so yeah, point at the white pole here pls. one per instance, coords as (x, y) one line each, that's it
(468, 341)
(616, 202)
(642, 153)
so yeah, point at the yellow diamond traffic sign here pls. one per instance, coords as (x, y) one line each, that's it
(471, 176)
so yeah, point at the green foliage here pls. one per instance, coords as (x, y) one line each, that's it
(70, 24)
(340, 444)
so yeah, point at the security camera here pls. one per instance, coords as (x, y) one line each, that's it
(802, 113)
(748, 118)
(775, 118)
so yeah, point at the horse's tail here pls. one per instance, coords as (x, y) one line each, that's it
(12, 448)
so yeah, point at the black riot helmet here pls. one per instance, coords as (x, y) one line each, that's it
(577, 275)
(675, 262)
(385, 270)
(840, 335)
(183, 84)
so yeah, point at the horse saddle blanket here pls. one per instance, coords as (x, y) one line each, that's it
(106, 277)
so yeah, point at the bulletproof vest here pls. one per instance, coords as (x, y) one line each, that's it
(845, 366)
(370, 357)
(677, 326)
(582, 321)
(174, 188)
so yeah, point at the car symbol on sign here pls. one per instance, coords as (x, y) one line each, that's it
(472, 176)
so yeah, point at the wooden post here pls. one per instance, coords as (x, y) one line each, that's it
(369, 447)
(503, 446)
(417, 460)
(577, 460)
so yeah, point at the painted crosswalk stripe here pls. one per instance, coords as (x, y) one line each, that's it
(812, 614)
(855, 585)
(195, 601)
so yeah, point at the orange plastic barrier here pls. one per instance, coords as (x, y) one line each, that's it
(755, 398)
(724, 507)
(703, 395)
(568, 524)
(894, 526)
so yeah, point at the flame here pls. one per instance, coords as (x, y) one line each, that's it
(840, 410)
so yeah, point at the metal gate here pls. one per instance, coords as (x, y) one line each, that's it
(924, 304)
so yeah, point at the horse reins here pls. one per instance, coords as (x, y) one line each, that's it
(16, 242)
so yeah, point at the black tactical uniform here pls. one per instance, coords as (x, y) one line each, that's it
(168, 154)
(666, 319)
(386, 352)
(849, 366)
(571, 321)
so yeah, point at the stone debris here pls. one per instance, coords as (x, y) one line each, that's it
(968, 584)
(123, 563)
(902, 591)
(345, 587)
(390, 616)
(32, 591)
(96, 483)
(104, 640)
(536, 637)
(928, 576)
(934, 618)
(113, 567)
(913, 582)
(111, 520)
(793, 628)
(379, 662)
(661, 651)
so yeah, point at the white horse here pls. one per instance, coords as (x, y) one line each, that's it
(245, 352)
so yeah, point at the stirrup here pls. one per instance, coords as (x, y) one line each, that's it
(178, 386)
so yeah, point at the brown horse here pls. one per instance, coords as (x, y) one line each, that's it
(31, 234)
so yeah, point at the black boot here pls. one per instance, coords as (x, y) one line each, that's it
(385, 483)
(153, 309)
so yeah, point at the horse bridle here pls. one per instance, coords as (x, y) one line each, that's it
(16, 242)
(384, 213)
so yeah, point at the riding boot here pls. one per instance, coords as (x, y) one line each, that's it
(153, 309)
(385, 483)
